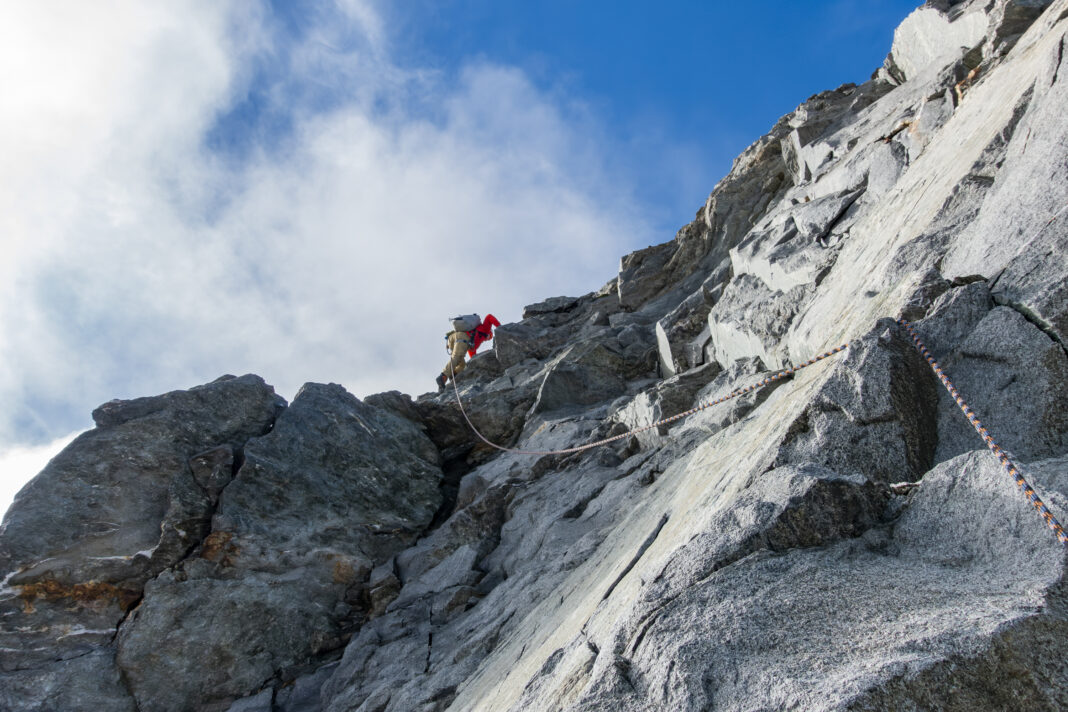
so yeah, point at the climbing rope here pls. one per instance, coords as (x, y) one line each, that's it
(1006, 462)
(741, 391)
(1002, 456)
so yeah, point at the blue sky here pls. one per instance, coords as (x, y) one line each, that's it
(676, 90)
(300, 189)
(681, 88)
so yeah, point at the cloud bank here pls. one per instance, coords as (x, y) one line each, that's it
(216, 188)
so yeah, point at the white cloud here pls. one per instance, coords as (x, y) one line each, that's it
(135, 261)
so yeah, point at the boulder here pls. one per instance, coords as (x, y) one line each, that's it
(1022, 399)
(117, 506)
(337, 488)
(928, 40)
(641, 274)
(581, 376)
(553, 305)
(876, 414)
(795, 248)
(750, 320)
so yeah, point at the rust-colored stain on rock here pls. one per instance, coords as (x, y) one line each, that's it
(344, 572)
(89, 593)
(219, 547)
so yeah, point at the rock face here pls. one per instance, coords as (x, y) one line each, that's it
(215, 549)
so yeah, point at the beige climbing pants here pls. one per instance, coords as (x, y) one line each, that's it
(458, 346)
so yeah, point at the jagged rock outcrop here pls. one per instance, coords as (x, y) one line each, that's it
(839, 539)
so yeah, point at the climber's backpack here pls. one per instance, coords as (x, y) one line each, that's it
(467, 322)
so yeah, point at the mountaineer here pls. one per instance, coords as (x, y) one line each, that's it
(468, 333)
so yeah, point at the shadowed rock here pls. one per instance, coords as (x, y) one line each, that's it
(334, 490)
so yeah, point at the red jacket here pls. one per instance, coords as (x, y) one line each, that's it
(482, 332)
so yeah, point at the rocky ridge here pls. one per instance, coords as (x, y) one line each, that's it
(218, 549)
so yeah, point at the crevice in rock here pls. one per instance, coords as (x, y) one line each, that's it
(580, 507)
(239, 461)
(666, 691)
(453, 471)
(130, 612)
(1060, 53)
(822, 237)
(18, 668)
(647, 622)
(625, 669)
(914, 396)
(637, 556)
(443, 697)
(429, 640)
(1034, 319)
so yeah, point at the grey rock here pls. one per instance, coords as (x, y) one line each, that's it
(666, 399)
(751, 319)
(739, 375)
(582, 375)
(88, 683)
(793, 250)
(1017, 237)
(304, 694)
(932, 114)
(1012, 375)
(544, 331)
(758, 179)
(641, 274)
(396, 402)
(356, 464)
(681, 334)
(889, 160)
(668, 364)
(262, 702)
(275, 582)
(382, 590)
(928, 39)
(677, 329)
(697, 349)
(876, 414)
(142, 448)
(499, 410)
(213, 469)
(455, 570)
(117, 506)
(759, 554)
(836, 596)
(1008, 20)
(549, 306)
(515, 343)
(812, 145)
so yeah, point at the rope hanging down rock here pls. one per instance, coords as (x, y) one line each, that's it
(1002, 456)
(741, 391)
